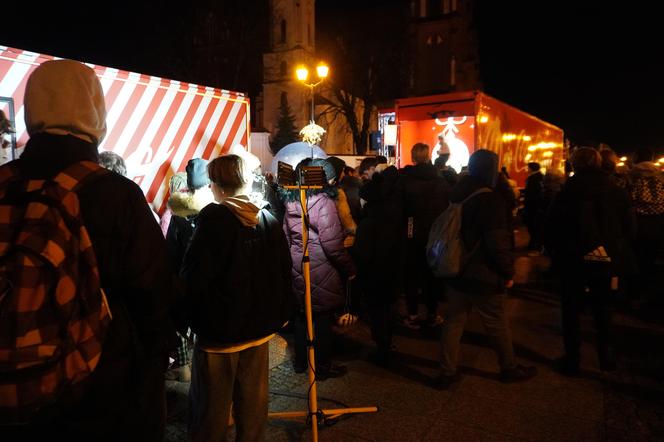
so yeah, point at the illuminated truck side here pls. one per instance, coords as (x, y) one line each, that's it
(155, 124)
(468, 121)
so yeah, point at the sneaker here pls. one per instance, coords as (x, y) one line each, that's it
(517, 374)
(334, 371)
(434, 321)
(412, 322)
(444, 382)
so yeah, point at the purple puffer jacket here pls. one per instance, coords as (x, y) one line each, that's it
(331, 265)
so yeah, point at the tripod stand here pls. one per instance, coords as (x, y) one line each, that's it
(313, 412)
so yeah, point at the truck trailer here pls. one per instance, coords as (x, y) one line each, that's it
(157, 125)
(468, 121)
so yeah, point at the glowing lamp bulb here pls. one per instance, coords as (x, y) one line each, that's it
(302, 73)
(322, 70)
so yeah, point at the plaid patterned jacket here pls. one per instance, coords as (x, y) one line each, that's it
(53, 312)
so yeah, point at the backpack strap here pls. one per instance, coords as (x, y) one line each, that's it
(73, 176)
(477, 192)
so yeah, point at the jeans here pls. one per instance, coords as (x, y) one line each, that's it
(492, 311)
(221, 379)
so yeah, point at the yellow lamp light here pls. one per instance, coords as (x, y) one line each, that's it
(484, 119)
(302, 73)
(623, 158)
(322, 70)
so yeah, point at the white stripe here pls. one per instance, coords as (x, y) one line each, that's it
(240, 132)
(227, 128)
(136, 116)
(209, 129)
(14, 76)
(166, 144)
(9, 87)
(119, 106)
(180, 153)
(106, 79)
(141, 160)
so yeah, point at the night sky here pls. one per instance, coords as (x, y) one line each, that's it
(593, 69)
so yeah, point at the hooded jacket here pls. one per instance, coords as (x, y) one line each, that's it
(237, 270)
(185, 207)
(484, 229)
(425, 196)
(330, 263)
(566, 229)
(65, 117)
(379, 240)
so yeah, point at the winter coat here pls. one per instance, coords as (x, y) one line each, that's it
(330, 263)
(185, 207)
(134, 268)
(484, 231)
(425, 195)
(351, 187)
(532, 199)
(379, 242)
(238, 277)
(610, 219)
(646, 189)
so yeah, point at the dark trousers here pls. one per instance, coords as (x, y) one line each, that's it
(382, 314)
(577, 292)
(418, 277)
(221, 379)
(322, 340)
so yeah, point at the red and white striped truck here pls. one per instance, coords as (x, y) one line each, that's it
(155, 124)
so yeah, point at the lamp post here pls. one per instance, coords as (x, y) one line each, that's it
(302, 73)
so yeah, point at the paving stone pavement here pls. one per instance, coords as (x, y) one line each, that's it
(596, 406)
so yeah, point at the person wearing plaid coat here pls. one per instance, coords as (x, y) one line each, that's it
(124, 398)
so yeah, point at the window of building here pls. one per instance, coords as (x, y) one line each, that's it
(283, 32)
(284, 68)
(423, 8)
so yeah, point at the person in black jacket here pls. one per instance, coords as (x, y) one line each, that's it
(488, 271)
(533, 210)
(425, 196)
(238, 275)
(125, 397)
(377, 246)
(588, 232)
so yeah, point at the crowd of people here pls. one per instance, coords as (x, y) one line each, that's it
(197, 293)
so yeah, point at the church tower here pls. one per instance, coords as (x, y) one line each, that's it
(292, 42)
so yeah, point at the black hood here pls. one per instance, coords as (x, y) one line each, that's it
(466, 185)
(588, 183)
(426, 171)
(483, 165)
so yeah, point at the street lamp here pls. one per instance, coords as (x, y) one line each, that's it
(302, 73)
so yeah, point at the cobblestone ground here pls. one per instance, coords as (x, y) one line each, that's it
(596, 406)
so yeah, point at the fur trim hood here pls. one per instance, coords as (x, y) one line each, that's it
(186, 204)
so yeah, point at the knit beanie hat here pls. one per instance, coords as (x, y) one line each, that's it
(197, 175)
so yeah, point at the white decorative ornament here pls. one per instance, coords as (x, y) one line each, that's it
(312, 133)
